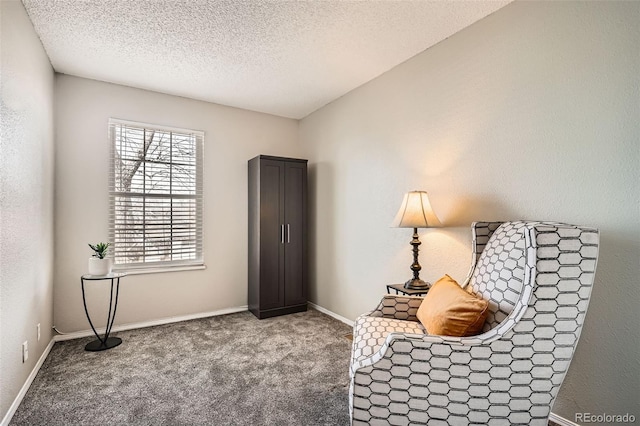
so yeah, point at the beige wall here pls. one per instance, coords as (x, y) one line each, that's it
(232, 136)
(530, 113)
(26, 199)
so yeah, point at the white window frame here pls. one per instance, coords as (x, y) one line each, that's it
(197, 262)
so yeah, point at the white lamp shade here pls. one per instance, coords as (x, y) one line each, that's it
(416, 212)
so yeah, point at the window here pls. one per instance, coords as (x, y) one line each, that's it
(155, 196)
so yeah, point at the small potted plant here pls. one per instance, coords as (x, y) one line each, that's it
(98, 263)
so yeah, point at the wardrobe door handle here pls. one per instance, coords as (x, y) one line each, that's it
(282, 234)
(288, 234)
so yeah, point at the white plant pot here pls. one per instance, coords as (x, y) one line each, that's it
(99, 266)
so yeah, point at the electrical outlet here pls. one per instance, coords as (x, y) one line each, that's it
(38, 327)
(25, 351)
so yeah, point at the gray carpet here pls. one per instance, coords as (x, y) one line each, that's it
(226, 370)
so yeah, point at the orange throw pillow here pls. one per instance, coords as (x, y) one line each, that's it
(448, 310)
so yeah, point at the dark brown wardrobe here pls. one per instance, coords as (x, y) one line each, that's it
(278, 265)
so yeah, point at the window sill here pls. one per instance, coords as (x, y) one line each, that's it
(159, 270)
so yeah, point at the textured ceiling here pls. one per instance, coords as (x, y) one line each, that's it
(286, 58)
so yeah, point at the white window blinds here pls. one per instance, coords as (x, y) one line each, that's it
(155, 195)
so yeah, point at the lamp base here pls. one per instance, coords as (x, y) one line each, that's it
(417, 284)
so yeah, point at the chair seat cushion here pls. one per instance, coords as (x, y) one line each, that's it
(369, 333)
(448, 310)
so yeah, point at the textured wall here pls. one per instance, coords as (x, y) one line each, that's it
(531, 113)
(232, 136)
(26, 199)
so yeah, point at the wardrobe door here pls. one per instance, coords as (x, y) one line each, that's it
(272, 234)
(295, 247)
(278, 271)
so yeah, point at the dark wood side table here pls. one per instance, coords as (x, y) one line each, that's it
(400, 289)
(105, 342)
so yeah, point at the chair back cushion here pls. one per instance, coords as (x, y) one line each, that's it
(499, 274)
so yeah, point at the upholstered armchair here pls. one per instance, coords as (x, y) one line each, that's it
(537, 278)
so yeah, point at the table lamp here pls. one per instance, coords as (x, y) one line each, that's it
(416, 212)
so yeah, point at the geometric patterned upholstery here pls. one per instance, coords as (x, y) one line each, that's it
(508, 375)
(499, 273)
(399, 307)
(372, 332)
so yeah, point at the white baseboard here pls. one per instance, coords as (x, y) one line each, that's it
(331, 314)
(23, 391)
(161, 321)
(561, 420)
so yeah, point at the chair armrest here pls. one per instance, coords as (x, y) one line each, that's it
(405, 343)
(398, 307)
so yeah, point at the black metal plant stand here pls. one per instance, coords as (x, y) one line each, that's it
(105, 342)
